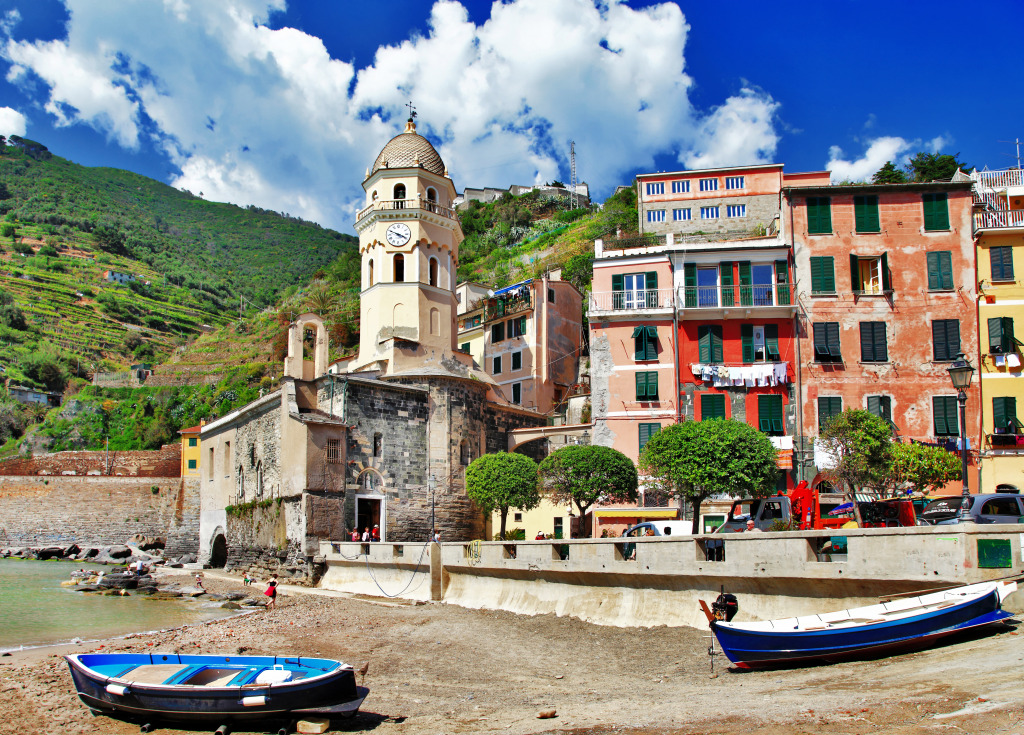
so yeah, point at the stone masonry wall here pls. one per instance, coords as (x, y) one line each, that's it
(183, 533)
(257, 445)
(163, 462)
(62, 510)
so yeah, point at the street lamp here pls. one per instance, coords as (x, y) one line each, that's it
(960, 374)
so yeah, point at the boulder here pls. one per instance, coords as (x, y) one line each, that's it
(50, 552)
(72, 550)
(231, 606)
(88, 553)
(119, 581)
(119, 551)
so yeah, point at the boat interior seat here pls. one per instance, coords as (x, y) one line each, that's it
(152, 673)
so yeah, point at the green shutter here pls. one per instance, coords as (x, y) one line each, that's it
(716, 344)
(646, 431)
(866, 213)
(855, 273)
(617, 284)
(1010, 340)
(652, 384)
(641, 385)
(945, 412)
(651, 285)
(995, 334)
(940, 271)
(639, 343)
(874, 405)
(465, 347)
(828, 407)
(936, 212)
(728, 285)
(618, 291)
(819, 216)
(823, 276)
(771, 341)
(712, 406)
(690, 285)
(873, 344)
(934, 272)
(886, 278)
(704, 342)
(999, 413)
(769, 414)
(782, 278)
(652, 343)
(832, 337)
(747, 342)
(1002, 263)
(746, 291)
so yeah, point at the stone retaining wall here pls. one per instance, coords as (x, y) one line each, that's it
(160, 463)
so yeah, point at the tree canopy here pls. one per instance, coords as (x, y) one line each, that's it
(861, 444)
(890, 174)
(701, 458)
(501, 481)
(923, 167)
(585, 474)
(922, 467)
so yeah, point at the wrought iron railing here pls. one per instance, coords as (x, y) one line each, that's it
(694, 297)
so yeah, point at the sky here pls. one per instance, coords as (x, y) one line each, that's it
(285, 103)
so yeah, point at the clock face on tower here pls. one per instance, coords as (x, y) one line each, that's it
(398, 234)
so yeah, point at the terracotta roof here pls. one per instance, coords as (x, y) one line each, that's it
(191, 430)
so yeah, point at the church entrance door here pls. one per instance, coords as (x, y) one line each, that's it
(370, 511)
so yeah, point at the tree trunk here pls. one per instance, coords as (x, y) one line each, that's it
(856, 508)
(504, 515)
(695, 502)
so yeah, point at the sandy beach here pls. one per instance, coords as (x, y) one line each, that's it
(437, 668)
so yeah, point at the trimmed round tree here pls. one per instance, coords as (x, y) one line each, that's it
(584, 475)
(501, 481)
(924, 468)
(861, 444)
(697, 459)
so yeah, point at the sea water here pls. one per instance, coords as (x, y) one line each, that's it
(35, 610)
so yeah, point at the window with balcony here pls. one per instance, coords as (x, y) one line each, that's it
(709, 184)
(681, 187)
(712, 406)
(936, 212)
(865, 214)
(709, 212)
(655, 215)
(823, 275)
(873, 345)
(655, 188)
(736, 210)
(647, 385)
(757, 283)
(1000, 336)
(880, 406)
(645, 342)
(1002, 263)
(709, 343)
(827, 348)
(940, 271)
(680, 215)
(870, 275)
(700, 285)
(769, 415)
(734, 182)
(646, 431)
(759, 343)
(945, 415)
(828, 407)
(819, 216)
(945, 339)
(635, 290)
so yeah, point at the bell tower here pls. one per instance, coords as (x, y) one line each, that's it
(409, 239)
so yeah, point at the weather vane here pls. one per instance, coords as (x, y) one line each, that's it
(412, 110)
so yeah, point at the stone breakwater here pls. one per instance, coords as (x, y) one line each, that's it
(149, 551)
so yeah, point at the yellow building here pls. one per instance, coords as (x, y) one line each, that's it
(190, 451)
(472, 299)
(547, 518)
(999, 236)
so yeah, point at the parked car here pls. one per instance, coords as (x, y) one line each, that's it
(985, 508)
(660, 528)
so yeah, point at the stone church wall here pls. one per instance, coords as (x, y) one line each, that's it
(163, 462)
(258, 441)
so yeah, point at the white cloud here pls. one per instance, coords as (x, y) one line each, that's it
(879, 151)
(12, 122)
(254, 115)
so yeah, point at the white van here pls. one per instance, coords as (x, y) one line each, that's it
(660, 528)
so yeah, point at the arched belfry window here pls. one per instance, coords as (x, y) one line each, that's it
(399, 269)
(433, 271)
(399, 196)
(431, 194)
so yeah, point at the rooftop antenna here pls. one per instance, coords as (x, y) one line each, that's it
(574, 198)
(1017, 142)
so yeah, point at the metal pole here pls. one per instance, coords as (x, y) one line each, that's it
(432, 530)
(962, 399)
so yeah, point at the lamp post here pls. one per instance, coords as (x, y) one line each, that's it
(433, 532)
(960, 374)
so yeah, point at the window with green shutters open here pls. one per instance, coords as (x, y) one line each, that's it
(947, 420)
(517, 327)
(940, 271)
(709, 342)
(823, 275)
(464, 347)
(759, 343)
(873, 345)
(1002, 263)
(826, 342)
(936, 212)
(828, 406)
(712, 406)
(497, 332)
(635, 290)
(769, 415)
(869, 275)
(865, 212)
(819, 216)
(1004, 415)
(945, 339)
(1000, 336)
(646, 431)
(647, 385)
(880, 406)
(645, 342)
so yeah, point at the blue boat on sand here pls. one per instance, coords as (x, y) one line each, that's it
(215, 689)
(905, 623)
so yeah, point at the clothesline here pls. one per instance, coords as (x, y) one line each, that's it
(1010, 360)
(747, 376)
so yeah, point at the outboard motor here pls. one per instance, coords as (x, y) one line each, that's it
(725, 607)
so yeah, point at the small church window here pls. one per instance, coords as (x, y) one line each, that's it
(369, 273)
(259, 479)
(465, 453)
(399, 269)
(252, 456)
(378, 444)
(431, 194)
(240, 485)
(334, 450)
(433, 271)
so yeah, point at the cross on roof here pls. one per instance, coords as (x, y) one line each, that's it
(412, 110)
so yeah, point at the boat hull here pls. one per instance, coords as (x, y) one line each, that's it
(330, 692)
(759, 648)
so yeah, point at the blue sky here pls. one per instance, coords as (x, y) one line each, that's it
(284, 104)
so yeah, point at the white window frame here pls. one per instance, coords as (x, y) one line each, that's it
(655, 215)
(709, 184)
(654, 188)
(734, 182)
(735, 210)
(709, 212)
(682, 215)
(681, 186)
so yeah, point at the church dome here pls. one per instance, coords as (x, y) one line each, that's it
(409, 150)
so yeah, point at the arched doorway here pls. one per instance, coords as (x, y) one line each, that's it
(219, 552)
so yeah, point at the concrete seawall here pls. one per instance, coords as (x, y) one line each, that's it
(605, 581)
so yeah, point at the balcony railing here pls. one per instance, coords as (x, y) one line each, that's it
(502, 306)
(999, 218)
(695, 297)
(999, 180)
(384, 205)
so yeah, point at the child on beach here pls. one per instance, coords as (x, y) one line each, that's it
(271, 593)
(199, 582)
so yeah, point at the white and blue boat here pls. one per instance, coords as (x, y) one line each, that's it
(912, 622)
(219, 689)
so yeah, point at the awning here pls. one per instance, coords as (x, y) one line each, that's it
(637, 513)
(513, 287)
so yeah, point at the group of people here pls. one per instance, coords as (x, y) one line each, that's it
(367, 536)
